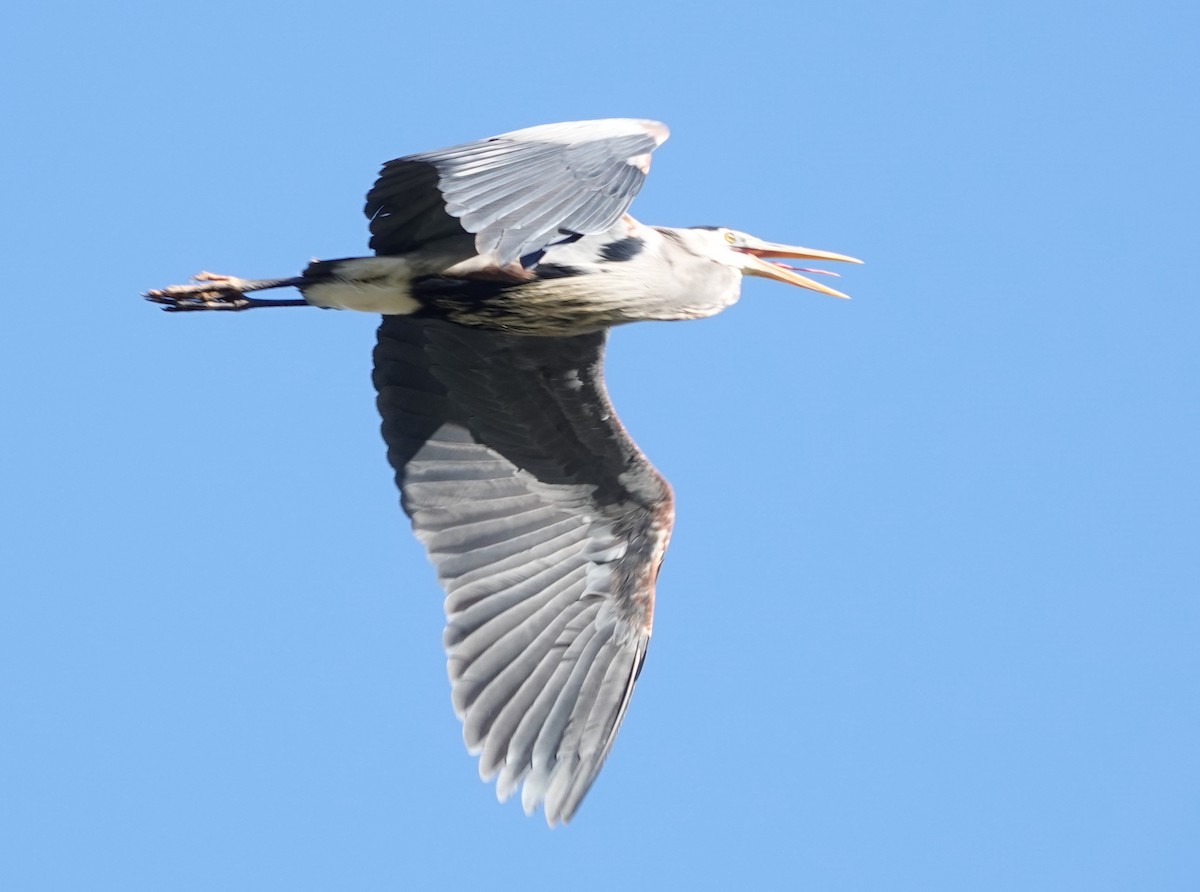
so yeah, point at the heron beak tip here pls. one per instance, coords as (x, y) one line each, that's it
(756, 265)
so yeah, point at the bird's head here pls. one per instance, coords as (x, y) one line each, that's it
(749, 255)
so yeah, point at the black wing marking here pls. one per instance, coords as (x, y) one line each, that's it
(546, 525)
(517, 192)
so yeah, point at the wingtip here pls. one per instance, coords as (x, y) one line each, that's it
(657, 130)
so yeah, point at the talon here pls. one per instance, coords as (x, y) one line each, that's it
(213, 291)
(216, 293)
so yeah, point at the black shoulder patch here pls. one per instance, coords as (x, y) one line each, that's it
(533, 258)
(623, 249)
(556, 271)
(458, 292)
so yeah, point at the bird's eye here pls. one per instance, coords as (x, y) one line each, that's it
(730, 237)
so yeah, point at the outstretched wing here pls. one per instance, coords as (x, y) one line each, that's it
(517, 192)
(546, 525)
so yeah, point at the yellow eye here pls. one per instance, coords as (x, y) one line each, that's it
(730, 237)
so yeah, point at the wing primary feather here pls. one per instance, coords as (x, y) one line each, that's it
(578, 657)
(457, 563)
(507, 700)
(521, 748)
(491, 678)
(624, 669)
(479, 533)
(570, 757)
(490, 638)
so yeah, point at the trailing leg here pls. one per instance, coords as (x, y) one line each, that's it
(217, 292)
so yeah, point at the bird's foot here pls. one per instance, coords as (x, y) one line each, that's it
(211, 292)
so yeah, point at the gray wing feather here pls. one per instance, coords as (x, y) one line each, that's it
(546, 526)
(517, 192)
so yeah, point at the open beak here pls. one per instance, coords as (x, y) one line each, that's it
(757, 251)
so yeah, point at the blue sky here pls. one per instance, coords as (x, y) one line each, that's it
(930, 614)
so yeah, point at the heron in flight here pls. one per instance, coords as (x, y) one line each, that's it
(499, 266)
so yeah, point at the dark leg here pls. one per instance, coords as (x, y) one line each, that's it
(216, 292)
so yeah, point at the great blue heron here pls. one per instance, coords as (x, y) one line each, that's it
(499, 267)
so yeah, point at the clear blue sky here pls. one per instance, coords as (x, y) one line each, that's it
(930, 617)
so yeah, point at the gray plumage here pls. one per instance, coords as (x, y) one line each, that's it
(545, 524)
(516, 192)
(500, 265)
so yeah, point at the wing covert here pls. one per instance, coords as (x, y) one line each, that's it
(546, 526)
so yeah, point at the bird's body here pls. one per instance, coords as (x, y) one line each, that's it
(499, 267)
(580, 286)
